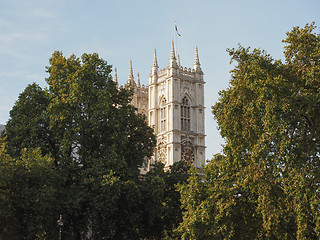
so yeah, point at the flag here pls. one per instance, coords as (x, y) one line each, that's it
(177, 31)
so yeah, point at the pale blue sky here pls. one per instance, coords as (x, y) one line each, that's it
(30, 31)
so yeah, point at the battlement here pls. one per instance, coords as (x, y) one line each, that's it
(187, 73)
(163, 72)
(142, 90)
(183, 72)
(142, 87)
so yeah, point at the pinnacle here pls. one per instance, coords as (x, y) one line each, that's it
(173, 56)
(130, 76)
(115, 78)
(155, 62)
(138, 80)
(130, 71)
(173, 62)
(196, 65)
(196, 59)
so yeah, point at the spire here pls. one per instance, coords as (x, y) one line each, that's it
(130, 71)
(155, 62)
(130, 76)
(172, 56)
(196, 59)
(154, 70)
(173, 62)
(138, 81)
(115, 78)
(178, 61)
(196, 65)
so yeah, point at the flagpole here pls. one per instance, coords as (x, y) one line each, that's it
(175, 37)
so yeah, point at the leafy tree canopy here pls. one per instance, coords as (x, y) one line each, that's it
(28, 189)
(266, 185)
(28, 125)
(97, 141)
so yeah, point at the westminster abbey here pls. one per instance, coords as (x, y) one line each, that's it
(173, 102)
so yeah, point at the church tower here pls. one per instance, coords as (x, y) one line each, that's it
(176, 111)
(140, 92)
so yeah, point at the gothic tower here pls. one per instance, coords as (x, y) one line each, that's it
(176, 111)
(140, 96)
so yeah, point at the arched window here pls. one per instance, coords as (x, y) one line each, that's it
(185, 114)
(163, 115)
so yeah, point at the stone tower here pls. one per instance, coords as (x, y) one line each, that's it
(173, 102)
(176, 111)
(140, 96)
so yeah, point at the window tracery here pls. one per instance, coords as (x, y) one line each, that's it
(163, 115)
(185, 114)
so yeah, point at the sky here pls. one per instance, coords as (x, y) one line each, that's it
(120, 31)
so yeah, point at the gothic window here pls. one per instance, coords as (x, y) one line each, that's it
(163, 115)
(185, 114)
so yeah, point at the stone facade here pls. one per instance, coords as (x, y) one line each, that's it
(173, 102)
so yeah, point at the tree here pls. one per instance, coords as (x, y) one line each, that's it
(28, 187)
(178, 174)
(91, 118)
(266, 185)
(98, 142)
(28, 126)
(115, 209)
(217, 207)
(98, 131)
(162, 211)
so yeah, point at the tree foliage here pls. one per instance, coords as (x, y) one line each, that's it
(162, 210)
(90, 117)
(28, 188)
(97, 142)
(29, 124)
(267, 183)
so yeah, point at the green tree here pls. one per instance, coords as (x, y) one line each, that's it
(28, 188)
(178, 174)
(266, 185)
(217, 207)
(98, 131)
(114, 210)
(91, 118)
(161, 207)
(97, 141)
(28, 126)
